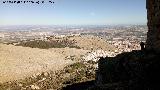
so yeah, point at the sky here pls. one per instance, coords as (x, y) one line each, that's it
(74, 12)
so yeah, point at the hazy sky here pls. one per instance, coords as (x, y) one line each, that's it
(80, 12)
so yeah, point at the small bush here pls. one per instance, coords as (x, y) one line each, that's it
(48, 44)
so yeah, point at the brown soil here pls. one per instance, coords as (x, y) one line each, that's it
(18, 62)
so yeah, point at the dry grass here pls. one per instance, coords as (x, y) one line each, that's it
(92, 42)
(17, 62)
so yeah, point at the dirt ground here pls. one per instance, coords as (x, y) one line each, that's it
(92, 42)
(18, 62)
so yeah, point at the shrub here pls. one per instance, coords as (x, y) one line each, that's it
(48, 44)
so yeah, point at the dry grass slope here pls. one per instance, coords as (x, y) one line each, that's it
(92, 42)
(17, 62)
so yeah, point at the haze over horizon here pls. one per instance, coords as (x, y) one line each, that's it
(71, 12)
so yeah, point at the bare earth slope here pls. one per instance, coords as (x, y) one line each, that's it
(88, 42)
(18, 62)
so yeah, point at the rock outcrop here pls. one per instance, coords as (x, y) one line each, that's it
(153, 16)
(136, 70)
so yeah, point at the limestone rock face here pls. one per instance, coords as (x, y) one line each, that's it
(153, 16)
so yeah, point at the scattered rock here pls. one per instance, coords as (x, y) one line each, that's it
(34, 87)
(38, 74)
(20, 85)
(45, 74)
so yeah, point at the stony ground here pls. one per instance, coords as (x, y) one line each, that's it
(33, 68)
(76, 73)
(18, 62)
(92, 42)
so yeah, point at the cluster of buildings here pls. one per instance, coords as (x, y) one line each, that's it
(121, 46)
(126, 46)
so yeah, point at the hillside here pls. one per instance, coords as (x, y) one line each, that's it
(92, 42)
(17, 62)
(31, 63)
(79, 42)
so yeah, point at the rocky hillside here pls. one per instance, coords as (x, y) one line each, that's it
(79, 42)
(92, 43)
(75, 73)
(44, 65)
(17, 62)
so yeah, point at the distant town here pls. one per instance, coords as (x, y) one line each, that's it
(124, 38)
